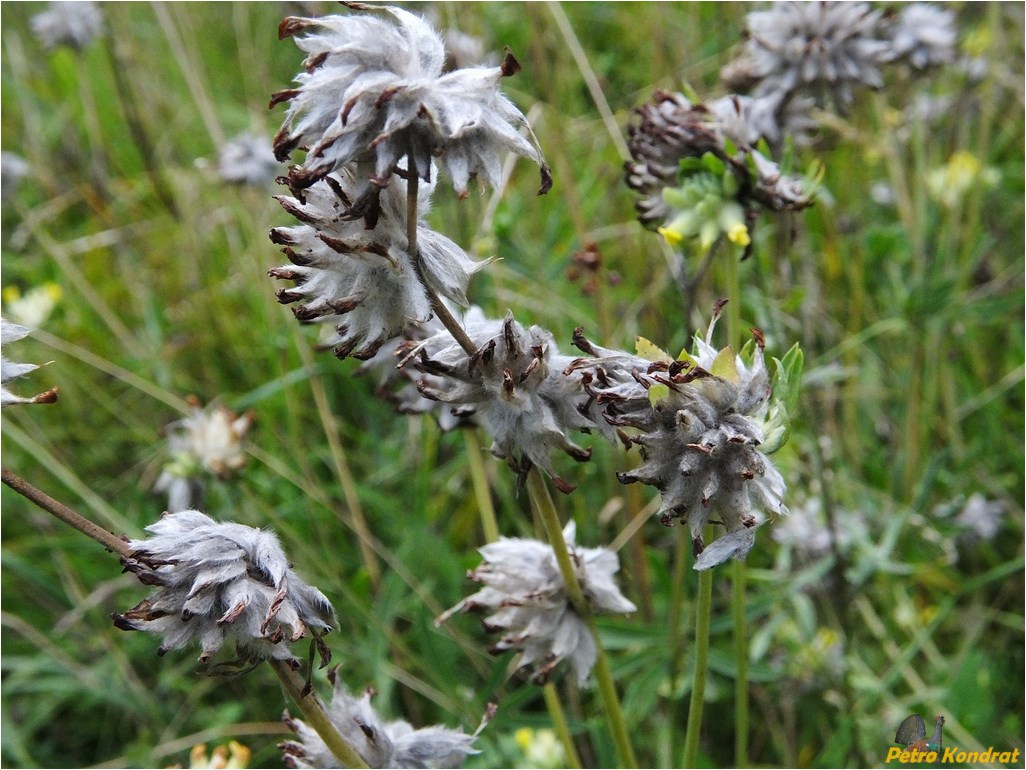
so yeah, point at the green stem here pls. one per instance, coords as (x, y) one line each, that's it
(676, 628)
(559, 722)
(542, 502)
(732, 269)
(741, 663)
(315, 715)
(702, 614)
(482, 492)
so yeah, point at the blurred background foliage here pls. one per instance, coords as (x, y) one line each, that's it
(896, 586)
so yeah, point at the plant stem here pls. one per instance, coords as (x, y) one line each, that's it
(702, 614)
(676, 635)
(482, 491)
(560, 724)
(543, 505)
(737, 597)
(65, 514)
(316, 717)
(447, 319)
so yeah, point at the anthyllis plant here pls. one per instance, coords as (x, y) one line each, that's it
(374, 123)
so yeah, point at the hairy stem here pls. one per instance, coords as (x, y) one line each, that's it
(542, 502)
(676, 633)
(694, 728)
(447, 319)
(65, 514)
(315, 715)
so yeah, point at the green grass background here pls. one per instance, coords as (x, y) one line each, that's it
(910, 315)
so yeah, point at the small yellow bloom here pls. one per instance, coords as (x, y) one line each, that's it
(34, 307)
(541, 747)
(672, 237)
(738, 234)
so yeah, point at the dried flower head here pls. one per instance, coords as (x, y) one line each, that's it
(248, 159)
(374, 90)
(379, 743)
(817, 49)
(10, 370)
(208, 442)
(702, 430)
(524, 590)
(514, 384)
(68, 23)
(222, 582)
(363, 280)
(924, 35)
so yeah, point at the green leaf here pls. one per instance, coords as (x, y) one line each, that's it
(649, 351)
(787, 379)
(725, 366)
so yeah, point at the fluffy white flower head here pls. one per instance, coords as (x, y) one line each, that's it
(68, 23)
(363, 280)
(525, 592)
(374, 89)
(218, 583)
(248, 159)
(10, 370)
(379, 743)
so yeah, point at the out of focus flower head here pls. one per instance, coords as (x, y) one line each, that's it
(699, 172)
(73, 24)
(209, 442)
(525, 592)
(923, 34)
(13, 168)
(222, 583)
(10, 370)
(32, 308)
(949, 184)
(817, 49)
(229, 757)
(248, 159)
(374, 91)
(379, 743)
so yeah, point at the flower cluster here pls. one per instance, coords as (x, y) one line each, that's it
(10, 370)
(207, 442)
(704, 426)
(514, 385)
(379, 743)
(222, 582)
(364, 281)
(699, 173)
(525, 592)
(248, 159)
(374, 91)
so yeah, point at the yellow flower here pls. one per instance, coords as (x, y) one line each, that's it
(541, 747)
(672, 237)
(738, 234)
(34, 307)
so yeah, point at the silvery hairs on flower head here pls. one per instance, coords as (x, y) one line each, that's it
(248, 159)
(374, 91)
(379, 743)
(530, 606)
(515, 386)
(699, 428)
(222, 582)
(9, 370)
(363, 281)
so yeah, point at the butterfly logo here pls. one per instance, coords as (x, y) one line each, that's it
(912, 733)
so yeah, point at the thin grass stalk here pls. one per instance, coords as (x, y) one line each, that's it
(316, 716)
(560, 724)
(344, 473)
(482, 491)
(702, 615)
(541, 501)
